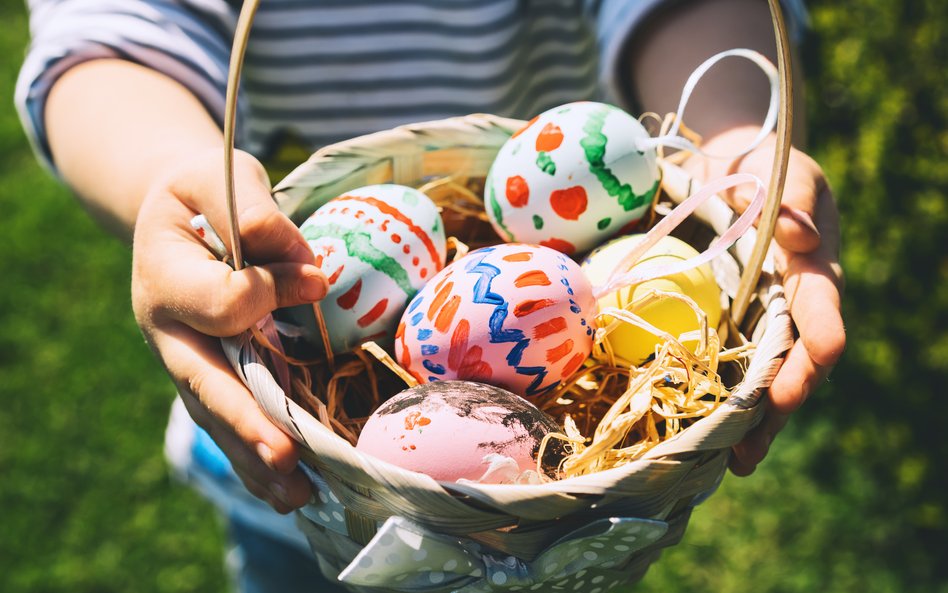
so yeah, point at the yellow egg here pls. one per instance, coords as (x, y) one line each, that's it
(634, 344)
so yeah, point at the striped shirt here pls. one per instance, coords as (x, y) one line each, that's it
(327, 70)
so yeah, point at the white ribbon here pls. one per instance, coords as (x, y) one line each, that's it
(672, 140)
(209, 236)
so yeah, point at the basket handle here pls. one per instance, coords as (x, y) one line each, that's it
(241, 35)
(765, 228)
(778, 176)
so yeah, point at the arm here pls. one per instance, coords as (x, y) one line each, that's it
(144, 156)
(727, 109)
(114, 126)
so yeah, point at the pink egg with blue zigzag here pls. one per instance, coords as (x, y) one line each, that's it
(513, 315)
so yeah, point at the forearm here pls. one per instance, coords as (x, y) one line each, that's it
(115, 127)
(734, 93)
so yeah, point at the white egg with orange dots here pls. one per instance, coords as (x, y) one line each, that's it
(377, 245)
(573, 177)
(634, 344)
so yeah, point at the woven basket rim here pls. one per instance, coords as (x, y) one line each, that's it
(461, 132)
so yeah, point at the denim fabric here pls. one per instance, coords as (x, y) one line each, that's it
(261, 564)
(267, 552)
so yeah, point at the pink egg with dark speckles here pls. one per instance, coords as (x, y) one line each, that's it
(447, 428)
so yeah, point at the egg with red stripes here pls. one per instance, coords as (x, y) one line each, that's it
(378, 245)
(515, 316)
(573, 177)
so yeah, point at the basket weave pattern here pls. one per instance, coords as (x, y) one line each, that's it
(585, 533)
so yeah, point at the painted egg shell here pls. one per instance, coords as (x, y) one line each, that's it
(377, 246)
(675, 317)
(445, 430)
(512, 315)
(572, 178)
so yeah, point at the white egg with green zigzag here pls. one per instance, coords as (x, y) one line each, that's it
(573, 177)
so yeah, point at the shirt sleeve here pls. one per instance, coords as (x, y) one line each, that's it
(617, 20)
(187, 41)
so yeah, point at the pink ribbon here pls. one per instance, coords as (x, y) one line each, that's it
(619, 279)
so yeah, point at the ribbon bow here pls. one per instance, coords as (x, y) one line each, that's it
(406, 556)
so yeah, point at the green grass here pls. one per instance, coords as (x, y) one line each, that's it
(87, 504)
(852, 497)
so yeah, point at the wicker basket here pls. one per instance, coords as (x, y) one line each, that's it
(378, 526)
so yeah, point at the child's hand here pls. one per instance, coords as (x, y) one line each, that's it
(185, 299)
(808, 236)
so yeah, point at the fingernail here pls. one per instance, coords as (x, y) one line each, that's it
(279, 491)
(313, 286)
(302, 253)
(803, 219)
(265, 453)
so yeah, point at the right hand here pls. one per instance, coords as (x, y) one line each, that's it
(807, 256)
(185, 300)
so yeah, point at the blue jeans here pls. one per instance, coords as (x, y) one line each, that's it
(259, 563)
(267, 552)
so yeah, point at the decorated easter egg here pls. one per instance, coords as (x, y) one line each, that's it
(450, 430)
(377, 246)
(632, 343)
(572, 178)
(513, 315)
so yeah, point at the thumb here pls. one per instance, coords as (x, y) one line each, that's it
(796, 229)
(216, 300)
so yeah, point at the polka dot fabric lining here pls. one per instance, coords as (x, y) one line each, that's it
(411, 557)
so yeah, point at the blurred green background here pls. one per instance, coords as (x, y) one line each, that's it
(852, 497)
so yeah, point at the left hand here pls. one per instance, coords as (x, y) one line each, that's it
(807, 236)
(185, 299)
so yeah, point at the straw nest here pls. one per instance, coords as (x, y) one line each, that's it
(610, 412)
